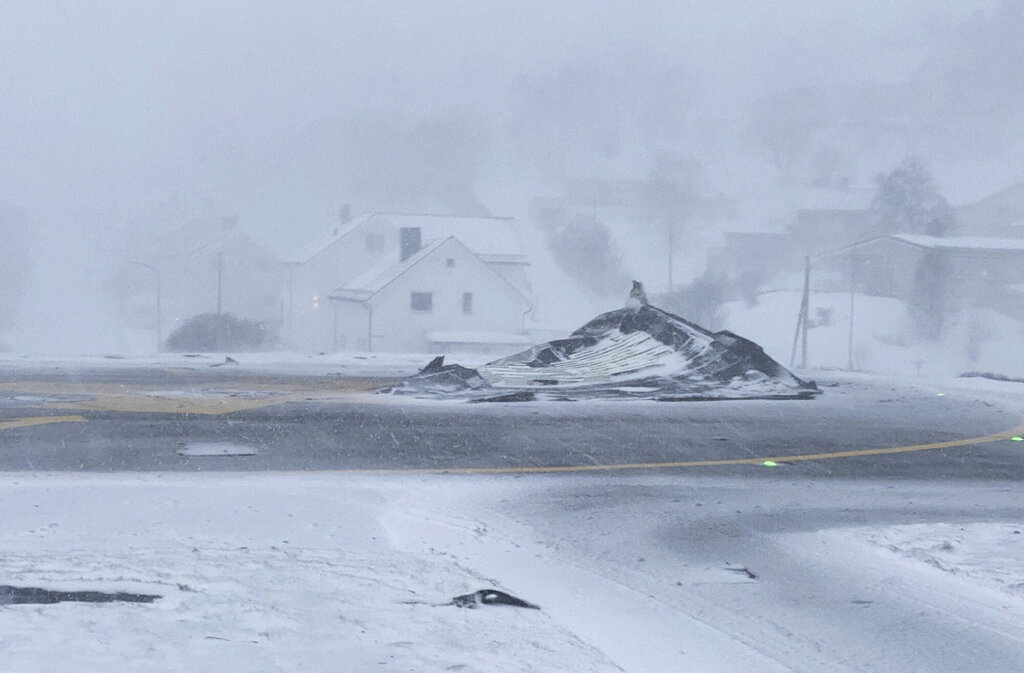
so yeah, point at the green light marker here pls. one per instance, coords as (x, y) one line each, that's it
(770, 463)
(941, 394)
(1017, 439)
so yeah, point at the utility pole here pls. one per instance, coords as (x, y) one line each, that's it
(853, 287)
(220, 286)
(291, 304)
(159, 294)
(806, 308)
(802, 318)
(671, 247)
(220, 279)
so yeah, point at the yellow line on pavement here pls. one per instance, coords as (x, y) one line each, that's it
(999, 436)
(207, 399)
(39, 420)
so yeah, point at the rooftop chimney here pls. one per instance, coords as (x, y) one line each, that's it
(409, 242)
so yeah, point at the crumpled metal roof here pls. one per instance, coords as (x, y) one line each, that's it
(636, 353)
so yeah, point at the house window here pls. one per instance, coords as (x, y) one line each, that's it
(422, 301)
(374, 242)
(467, 302)
(450, 263)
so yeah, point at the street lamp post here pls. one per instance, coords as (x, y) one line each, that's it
(159, 292)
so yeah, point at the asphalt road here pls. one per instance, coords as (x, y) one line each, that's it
(630, 522)
(146, 419)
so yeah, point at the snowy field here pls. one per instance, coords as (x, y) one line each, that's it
(883, 341)
(257, 573)
(328, 571)
(285, 572)
(384, 365)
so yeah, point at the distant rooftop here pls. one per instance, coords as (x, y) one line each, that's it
(485, 236)
(961, 242)
(972, 243)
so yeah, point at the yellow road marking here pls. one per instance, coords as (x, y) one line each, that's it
(113, 397)
(211, 399)
(999, 436)
(39, 420)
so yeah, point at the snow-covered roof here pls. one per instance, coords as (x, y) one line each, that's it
(965, 243)
(374, 279)
(853, 198)
(470, 337)
(487, 237)
(225, 240)
(321, 243)
(961, 242)
(483, 235)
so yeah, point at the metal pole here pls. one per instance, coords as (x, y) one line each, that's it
(334, 305)
(670, 253)
(159, 312)
(849, 350)
(159, 293)
(796, 334)
(806, 309)
(369, 328)
(220, 279)
(291, 305)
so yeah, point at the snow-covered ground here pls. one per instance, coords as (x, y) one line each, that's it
(257, 573)
(285, 572)
(643, 572)
(381, 365)
(883, 341)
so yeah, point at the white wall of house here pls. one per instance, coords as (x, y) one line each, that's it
(515, 272)
(313, 280)
(447, 274)
(365, 243)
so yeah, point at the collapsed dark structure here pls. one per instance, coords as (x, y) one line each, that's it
(639, 352)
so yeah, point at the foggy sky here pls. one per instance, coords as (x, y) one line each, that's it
(277, 112)
(108, 105)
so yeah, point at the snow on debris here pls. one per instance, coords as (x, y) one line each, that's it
(640, 352)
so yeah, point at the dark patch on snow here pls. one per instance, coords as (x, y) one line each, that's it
(744, 571)
(490, 597)
(10, 595)
(517, 396)
(991, 375)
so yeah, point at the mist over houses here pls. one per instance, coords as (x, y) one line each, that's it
(374, 282)
(437, 283)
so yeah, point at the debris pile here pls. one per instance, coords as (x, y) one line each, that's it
(639, 352)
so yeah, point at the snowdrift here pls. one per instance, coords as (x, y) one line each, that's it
(631, 353)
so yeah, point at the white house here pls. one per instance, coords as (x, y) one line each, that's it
(374, 245)
(441, 297)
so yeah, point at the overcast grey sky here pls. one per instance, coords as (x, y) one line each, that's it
(108, 105)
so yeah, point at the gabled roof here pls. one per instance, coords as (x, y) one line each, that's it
(225, 241)
(965, 243)
(321, 243)
(962, 242)
(376, 278)
(490, 238)
(485, 236)
(369, 283)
